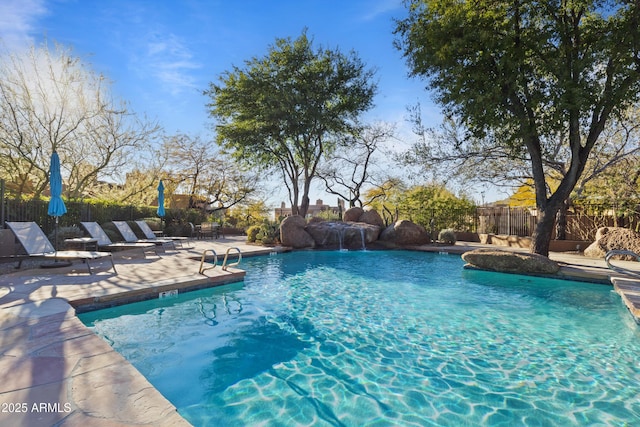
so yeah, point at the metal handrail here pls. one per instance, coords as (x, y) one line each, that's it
(204, 255)
(621, 270)
(226, 256)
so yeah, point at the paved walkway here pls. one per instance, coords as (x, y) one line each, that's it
(56, 372)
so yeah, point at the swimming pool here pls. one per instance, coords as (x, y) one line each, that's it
(385, 338)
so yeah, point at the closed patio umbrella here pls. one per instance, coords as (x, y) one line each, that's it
(160, 211)
(56, 204)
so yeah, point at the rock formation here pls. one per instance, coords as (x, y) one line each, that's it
(293, 234)
(614, 238)
(359, 229)
(510, 262)
(405, 233)
(357, 214)
(342, 235)
(352, 214)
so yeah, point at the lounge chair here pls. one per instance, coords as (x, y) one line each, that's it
(150, 235)
(130, 236)
(37, 245)
(104, 242)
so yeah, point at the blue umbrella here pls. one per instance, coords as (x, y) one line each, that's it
(56, 205)
(160, 211)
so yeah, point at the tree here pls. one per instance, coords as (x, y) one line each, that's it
(211, 179)
(287, 109)
(385, 197)
(50, 101)
(526, 73)
(348, 168)
(436, 208)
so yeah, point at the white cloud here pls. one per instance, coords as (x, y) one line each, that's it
(381, 7)
(17, 21)
(167, 58)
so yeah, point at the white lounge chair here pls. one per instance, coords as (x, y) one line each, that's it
(37, 245)
(104, 242)
(150, 235)
(130, 236)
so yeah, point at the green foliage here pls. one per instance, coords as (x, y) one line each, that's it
(436, 208)
(285, 109)
(447, 236)
(328, 215)
(267, 233)
(244, 216)
(481, 54)
(252, 233)
(385, 199)
(528, 74)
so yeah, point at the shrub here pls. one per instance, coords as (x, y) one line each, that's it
(252, 233)
(269, 233)
(447, 236)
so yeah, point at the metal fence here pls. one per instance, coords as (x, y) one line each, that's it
(505, 220)
(582, 221)
(101, 212)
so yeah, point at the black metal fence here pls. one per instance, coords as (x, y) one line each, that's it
(101, 212)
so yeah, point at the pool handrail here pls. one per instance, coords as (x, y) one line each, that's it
(204, 255)
(621, 270)
(225, 266)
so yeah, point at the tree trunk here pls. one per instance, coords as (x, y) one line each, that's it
(304, 206)
(542, 235)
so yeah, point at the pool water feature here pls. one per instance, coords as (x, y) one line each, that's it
(385, 338)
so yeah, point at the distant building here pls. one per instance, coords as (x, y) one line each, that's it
(314, 210)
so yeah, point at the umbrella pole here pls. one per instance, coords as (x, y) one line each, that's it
(55, 240)
(56, 263)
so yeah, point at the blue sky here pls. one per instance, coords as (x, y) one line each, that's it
(162, 54)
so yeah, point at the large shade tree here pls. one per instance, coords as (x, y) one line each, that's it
(285, 110)
(525, 73)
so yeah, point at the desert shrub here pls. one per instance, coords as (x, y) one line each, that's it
(269, 233)
(252, 233)
(447, 236)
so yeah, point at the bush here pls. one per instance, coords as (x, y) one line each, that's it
(252, 233)
(447, 236)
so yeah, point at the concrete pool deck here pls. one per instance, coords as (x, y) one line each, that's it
(56, 372)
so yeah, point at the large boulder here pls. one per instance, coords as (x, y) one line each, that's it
(510, 262)
(292, 233)
(614, 238)
(357, 214)
(353, 235)
(405, 233)
(352, 214)
(371, 217)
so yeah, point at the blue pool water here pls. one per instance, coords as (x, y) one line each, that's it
(385, 339)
